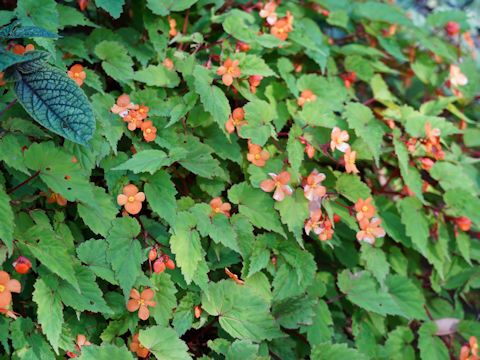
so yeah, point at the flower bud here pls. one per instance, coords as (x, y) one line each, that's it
(152, 255)
(170, 264)
(464, 223)
(159, 266)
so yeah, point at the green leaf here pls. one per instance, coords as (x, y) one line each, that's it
(16, 31)
(49, 312)
(295, 149)
(113, 7)
(6, 222)
(28, 342)
(124, 252)
(259, 115)
(146, 161)
(116, 62)
(160, 192)
(242, 350)
(294, 211)
(242, 313)
(164, 343)
(321, 329)
(54, 165)
(396, 344)
(327, 351)
(98, 216)
(163, 7)
(212, 97)
(463, 244)
(352, 187)
(401, 151)
(415, 221)
(158, 75)
(32, 12)
(93, 253)
(464, 203)
(164, 298)
(56, 102)
(11, 153)
(257, 206)
(89, 297)
(430, 345)
(105, 351)
(49, 249)
(452, 176)
(253, 65)
(185, 244)
(408, 298)
(375, 261)
(361, 118)
(69, 16)
(292, 312)
(183, 315)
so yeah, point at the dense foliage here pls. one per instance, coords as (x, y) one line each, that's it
(230, 179)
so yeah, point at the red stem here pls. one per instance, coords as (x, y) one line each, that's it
(285, 159)
(8, 106)
(23, 183)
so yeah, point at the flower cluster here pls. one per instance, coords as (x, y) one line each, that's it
(338, 141)
(278, 27)
(321, 225)
(135, 116)
(432, 142)
(369, 226)
(161, 263)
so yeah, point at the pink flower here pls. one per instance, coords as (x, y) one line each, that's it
(279, 183)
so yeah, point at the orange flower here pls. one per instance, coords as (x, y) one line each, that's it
(7, 286)
(22, 265)
(268, 12)
(349, 158)
(338, 139)
(327, 232)
(142, 112)
(427, 163)
(82, 4)
(141, 301)
(279, 183)
(220, 207)
(77, 74)
(81, 341)
(235, 120)
(173, 31)
(123, 105)
(254, 82)
(149, 131)
(370, 230)
(433, 135)
(1, 77)
(411, 144)
(229, 70)
(257, 156)
(20, 49)
(471, 346)
(456, 76)
(133, 122)
(313, 188)
(315, 222)
(306, 96)
(131, 198)
(234, 277)
(138, 348)
(281, 29)
(168, 63)
(464, 223)
(364, 209)
(54, 197)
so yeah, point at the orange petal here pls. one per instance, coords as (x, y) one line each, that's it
(14, 286)
(5, 298)
(284, 177)
(132, 305)
(133, 207)
(81, 339)
(130, 190)
(221, 70)
(143, 313)
(147, 294)
(227, 79)
(230, 126)
(122, 199)
(4, 277)
(267, 185)
(140, 197)
(134, 294)
(279, 195)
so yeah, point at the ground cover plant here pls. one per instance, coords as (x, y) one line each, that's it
(204, 179)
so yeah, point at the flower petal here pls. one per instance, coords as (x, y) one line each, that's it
(134, 294)
(147, 294)
(132, 305)
(122, 199)
(143, 313)
(140, 197)
(227, 79)
(284, 177)
(4, 278)
(5, 298)
(130, 190)
(14, 286)
(133, 207)
(279, 195)
(267, 185)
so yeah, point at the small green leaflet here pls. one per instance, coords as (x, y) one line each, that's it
(113, 7)
(164, 343)
(6, 222)
(160, 192)
(430, 345)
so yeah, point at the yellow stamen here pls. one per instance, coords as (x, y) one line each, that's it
(2, 288)
(280, 31)
(351, 160)
(257, 156)
(364, 208)
(76, 75)
(140, 346)
(148, 131)
(217, 210)
(131, 199)
(277, 183)
(230, 70)
(141, 302)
